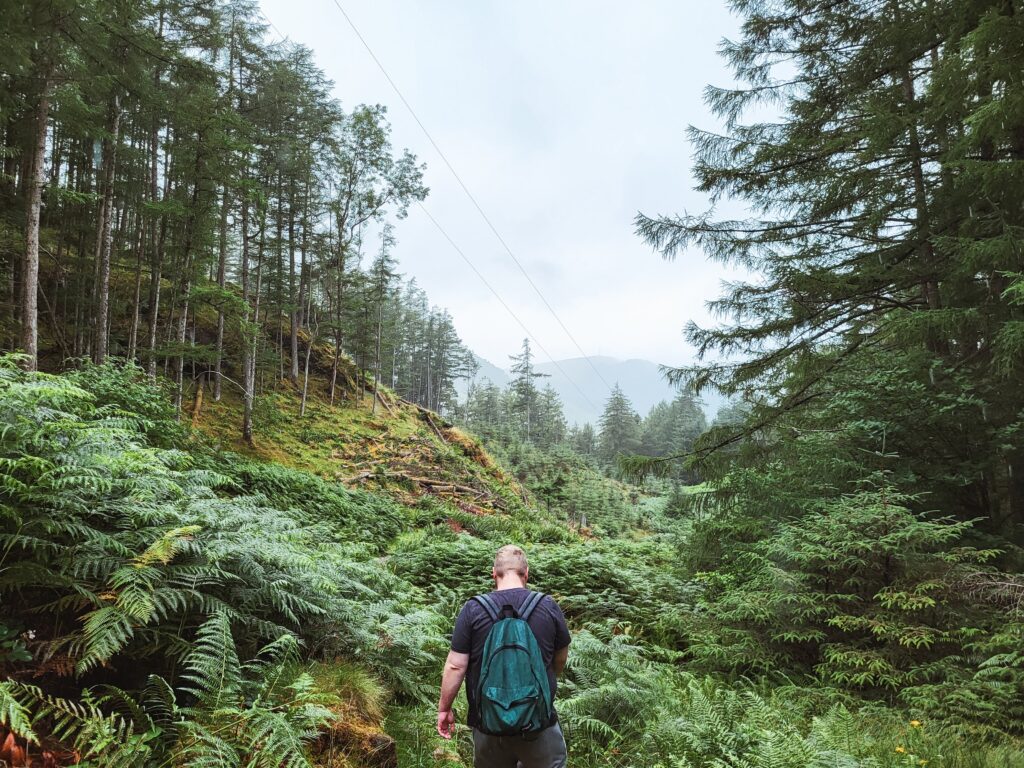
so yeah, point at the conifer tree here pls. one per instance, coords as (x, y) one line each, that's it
(583, 439)
(550, 426)
(523, 389)
(620, 428)
(382, 273)
(482, 412)
(884, 215)
(656, 430)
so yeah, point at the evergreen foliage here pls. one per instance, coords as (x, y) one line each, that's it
(620, 429)
(214, 609)
(185, 205)
(203, 206)
(524, 397)
(884, 221)
(672, 429)
(525, 428)
(863, 494)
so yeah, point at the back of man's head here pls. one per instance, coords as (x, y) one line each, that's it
(510, 559)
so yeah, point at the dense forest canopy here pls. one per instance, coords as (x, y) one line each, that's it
(241, 501)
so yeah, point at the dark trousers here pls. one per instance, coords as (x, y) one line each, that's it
(545, 751)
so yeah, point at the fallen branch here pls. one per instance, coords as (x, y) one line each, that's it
(433, 426)
(446, 488)
(442, 484)
(383, 401)
(357, 478)
(428, 416)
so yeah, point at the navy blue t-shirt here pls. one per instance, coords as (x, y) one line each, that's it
(473, 624)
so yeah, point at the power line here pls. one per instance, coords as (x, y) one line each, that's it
(273, 26)
(504, 304)
(469, 194)
(452, 242)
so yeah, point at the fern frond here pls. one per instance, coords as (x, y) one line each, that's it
(213, 668)
(14, 714)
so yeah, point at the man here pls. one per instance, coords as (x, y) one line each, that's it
(547, 748)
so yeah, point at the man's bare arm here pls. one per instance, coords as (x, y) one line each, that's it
(455, 667)
(558, 662)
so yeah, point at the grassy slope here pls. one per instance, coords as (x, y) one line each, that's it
(398, 449)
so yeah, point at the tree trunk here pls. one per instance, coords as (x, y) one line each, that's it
(280, 272)
(303, 265)
(157, 242)
(339, 313)
(103, 245)
(334, 364)
(133, 332)
(305, 378)
(222, 256)
(376, 352)
(221, 271)
(197, 403)
(293, 299)
(186, 263)
(30, 265)
(247, 427)
(179, 372)
(248, 378)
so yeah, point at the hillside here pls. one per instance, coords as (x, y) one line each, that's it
(401, 449)
(296, 524)
(341, 512)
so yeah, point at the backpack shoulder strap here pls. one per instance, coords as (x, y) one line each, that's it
(530, 605)
(488, 605)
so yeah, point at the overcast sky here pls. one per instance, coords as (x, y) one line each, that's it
(564, 118)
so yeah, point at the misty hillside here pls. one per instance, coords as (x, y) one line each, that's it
(584, 390)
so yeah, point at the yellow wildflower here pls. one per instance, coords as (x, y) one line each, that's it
(900, 750)
(922, 762)
(915, 723)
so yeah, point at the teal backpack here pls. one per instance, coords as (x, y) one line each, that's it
(513, 695)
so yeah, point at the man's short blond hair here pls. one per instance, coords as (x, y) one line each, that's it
(510, 558)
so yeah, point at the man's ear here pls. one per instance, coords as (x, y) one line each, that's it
(494, 574)
(526, 578)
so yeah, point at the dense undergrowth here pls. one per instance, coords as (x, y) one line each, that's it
(182, 584)
(167, 604)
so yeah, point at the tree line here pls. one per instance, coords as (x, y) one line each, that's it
(525, 411)
(181, 192)
(576, 471)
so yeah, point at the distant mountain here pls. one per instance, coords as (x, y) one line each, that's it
(583, 384)
(489, 371)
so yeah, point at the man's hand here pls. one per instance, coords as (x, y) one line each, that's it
(445, 721)
(455, 667)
